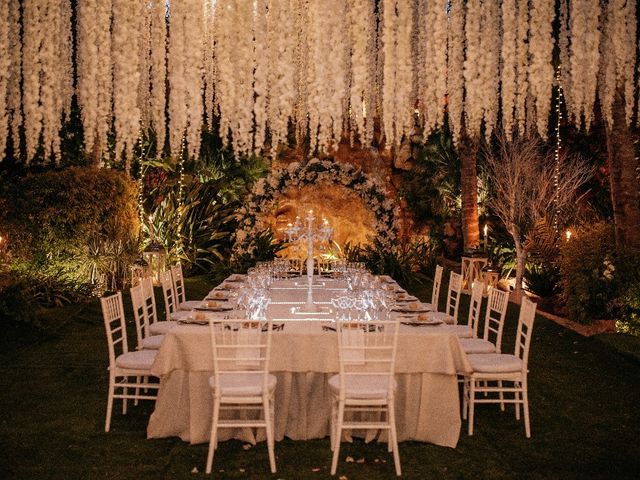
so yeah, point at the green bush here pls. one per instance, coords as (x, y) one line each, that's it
(587, 269)
(630, 310)
(77, 225)
(406, 263)
(542, 279)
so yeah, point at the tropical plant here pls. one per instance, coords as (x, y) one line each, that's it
(266, 248)
(542, 279)
(408, 263)
(432, 186)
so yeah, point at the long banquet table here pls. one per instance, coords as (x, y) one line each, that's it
(303, 357)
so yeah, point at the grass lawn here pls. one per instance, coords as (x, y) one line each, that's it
(584, 399)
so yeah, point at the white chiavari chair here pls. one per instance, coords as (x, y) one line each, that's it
(450, 315)
(491, 341)
(123, 364)
(156, 327)
(179, 290)
(169, 296)
(144, 337)
(365, 383)
(488, 368)
(241, 380)
(435, 291)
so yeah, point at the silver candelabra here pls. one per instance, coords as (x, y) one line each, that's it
(297, 232)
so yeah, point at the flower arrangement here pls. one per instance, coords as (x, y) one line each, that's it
(267, 190)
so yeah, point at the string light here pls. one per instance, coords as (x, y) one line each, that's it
(181, 189)
(141, 180)
(556, 175)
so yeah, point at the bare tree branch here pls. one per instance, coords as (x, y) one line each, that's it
(525, 190)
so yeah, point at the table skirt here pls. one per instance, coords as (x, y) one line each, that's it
(427, 408)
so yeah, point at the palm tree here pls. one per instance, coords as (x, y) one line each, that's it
(468, 151)
(623, 179)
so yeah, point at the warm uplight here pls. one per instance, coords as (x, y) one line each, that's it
(568, 235)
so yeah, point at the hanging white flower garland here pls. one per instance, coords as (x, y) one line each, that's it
(326, 77)
(455, 67)
(126, 76)
(584, 59)
(5, 64)
(158, 74)
(541, 70)
(266, 191)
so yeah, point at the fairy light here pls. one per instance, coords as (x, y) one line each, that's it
(556, 174)
(141, 180)
(181, 189)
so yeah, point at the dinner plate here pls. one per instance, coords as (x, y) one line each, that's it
(219, 308)
(411, 310)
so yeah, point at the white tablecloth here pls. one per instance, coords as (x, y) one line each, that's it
(303, 358)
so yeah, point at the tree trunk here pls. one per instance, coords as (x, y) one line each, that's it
(623, 178)
(468, 151)
(521, 256)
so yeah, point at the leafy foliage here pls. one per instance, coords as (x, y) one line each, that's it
(407, 263)
(542, 279)
(586, 288)
(196, 228)
(432, 187)
(266, 248)
(74, 226)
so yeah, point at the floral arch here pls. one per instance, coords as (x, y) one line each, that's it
(296, 175)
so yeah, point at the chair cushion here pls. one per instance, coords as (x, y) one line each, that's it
(443, 317)
(161, 328)
(477, 345)
(495, 363)
(362, 386)
(140, 360)
(153, 342)
(462, 331)
(189, 305)
(242, 384)
(183, 315)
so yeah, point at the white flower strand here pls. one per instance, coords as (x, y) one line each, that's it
(522, 66)
(5, 64)
(389, 81)
(104, 86)
(158, 74)
(193, 71)
(126, 76)
(14, 75)
(489, 74)
(433, 71)
(176, 73)
(509, 69)
(540, 67)
(584, 60)
(472, 68)
(33, 36)
(361, 32)
(455, 67)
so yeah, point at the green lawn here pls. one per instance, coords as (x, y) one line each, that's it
(584, 399)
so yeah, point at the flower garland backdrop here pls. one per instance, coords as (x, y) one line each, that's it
(267, 190)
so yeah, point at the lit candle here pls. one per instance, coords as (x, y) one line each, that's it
(486, 236)
(568, 235)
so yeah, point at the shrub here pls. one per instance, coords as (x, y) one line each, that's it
(630, 310)
(542, 279)
(57, 220)
(406, 263)
(587, 272)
